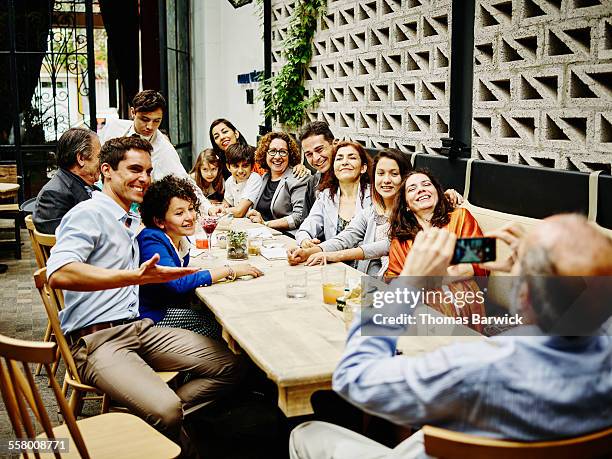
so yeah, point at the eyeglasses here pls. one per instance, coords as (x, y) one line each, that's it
(281, 153)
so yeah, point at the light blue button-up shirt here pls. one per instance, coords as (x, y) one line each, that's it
(515, 387)
(94, 232)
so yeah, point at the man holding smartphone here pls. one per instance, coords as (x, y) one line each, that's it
(486, 388)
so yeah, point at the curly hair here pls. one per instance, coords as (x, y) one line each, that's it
(329, 179)
(404, 225)
(210, 157)
(261, 154)
(157, 199)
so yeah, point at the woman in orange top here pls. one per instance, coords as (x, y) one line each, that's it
(422, 206)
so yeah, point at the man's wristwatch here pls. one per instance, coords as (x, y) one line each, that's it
(232, 274)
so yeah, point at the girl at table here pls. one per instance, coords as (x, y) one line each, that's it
(223, 133)
(281, 197)
(207, 173)
(344, 192)
(168, 212)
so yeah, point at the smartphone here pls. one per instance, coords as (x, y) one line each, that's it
(474, 250)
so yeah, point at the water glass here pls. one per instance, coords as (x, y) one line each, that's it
(296, 282)
(333, 279)
(255, 244)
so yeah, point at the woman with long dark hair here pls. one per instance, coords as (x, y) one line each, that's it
(420, 206)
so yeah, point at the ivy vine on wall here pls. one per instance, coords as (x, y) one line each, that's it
(284, 95)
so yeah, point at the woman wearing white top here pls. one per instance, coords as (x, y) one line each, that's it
(344, 192)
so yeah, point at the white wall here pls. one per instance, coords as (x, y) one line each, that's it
(225, 42)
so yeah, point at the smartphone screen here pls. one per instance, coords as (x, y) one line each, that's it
(474, 250)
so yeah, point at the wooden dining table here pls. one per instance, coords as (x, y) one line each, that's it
(297, 342)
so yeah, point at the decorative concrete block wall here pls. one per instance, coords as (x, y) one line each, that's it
(543, 83)
(383, 66)
(542, 77)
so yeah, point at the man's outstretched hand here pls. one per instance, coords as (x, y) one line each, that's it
(152, 273)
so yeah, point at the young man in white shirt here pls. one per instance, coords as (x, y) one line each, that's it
(147, 111)
(242, 188)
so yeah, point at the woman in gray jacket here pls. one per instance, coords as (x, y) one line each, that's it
(281, 199)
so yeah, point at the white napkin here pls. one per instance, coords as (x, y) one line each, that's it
(274, 253)
(262, 232)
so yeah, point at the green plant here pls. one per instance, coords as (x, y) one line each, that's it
(237, 245)
(236, 238)
(284, 95)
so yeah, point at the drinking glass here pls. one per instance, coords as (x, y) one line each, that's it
(296, 282)
(333, 278)
(255, 244)
(209, 224)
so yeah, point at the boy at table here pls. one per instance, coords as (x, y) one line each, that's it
(242, 188)
(96, 262)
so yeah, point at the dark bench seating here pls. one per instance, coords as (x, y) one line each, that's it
(499, 193)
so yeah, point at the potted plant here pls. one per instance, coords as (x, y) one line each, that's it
(237, 245)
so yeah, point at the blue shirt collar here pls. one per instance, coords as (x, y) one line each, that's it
(115, 209)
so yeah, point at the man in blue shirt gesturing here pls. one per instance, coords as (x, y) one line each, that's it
(96, 262)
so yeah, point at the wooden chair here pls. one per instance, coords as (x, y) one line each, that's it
(53, 300)
(45, 242)
(41, 245)
(36, 248)
(445, 444)
(10, 211)
(109, 435)
(41, 261)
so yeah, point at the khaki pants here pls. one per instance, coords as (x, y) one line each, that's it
(321, 440)
(121, 361)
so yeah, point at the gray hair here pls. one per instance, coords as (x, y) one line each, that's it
(552, 296)
(73, 142)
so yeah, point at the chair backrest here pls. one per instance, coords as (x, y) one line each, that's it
(21, 396)
(45, 242)
(36, 248)
(53, 300)
(445, 444)
(8, 173)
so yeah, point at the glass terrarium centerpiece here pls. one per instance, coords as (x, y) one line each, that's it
(237, 248)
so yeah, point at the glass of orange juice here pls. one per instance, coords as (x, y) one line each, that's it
(333, 279)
